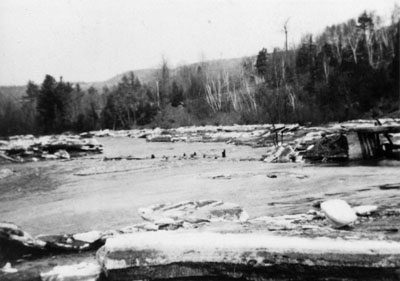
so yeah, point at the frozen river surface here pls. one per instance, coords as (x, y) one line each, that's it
(51, 197)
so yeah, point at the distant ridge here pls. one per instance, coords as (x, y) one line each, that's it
(146, 76)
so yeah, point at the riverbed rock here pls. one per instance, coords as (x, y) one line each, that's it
(48, 147)
(62, 154)
(73, 242)
(89, 237)
(282, 154)
(195, 212)
(338, 212)
(83, 271)
(365, 210)
(334, 146)
(16, 243)
(7, 268)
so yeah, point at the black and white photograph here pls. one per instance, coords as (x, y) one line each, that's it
(199, 140)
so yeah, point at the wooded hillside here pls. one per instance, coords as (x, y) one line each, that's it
(349, 71)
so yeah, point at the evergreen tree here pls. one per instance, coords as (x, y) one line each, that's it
(176, 94)
(262, 63)
(46, 104)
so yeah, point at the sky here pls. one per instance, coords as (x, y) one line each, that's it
(94, 40)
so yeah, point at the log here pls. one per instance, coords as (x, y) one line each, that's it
(162, 255)
(8, 158)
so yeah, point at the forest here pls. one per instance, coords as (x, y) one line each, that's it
(350, 70)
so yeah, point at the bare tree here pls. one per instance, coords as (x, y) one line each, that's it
(285, 28)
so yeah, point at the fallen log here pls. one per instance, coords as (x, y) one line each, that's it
(175, 255)
(8, 158)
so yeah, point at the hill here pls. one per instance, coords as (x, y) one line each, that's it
(146, 76)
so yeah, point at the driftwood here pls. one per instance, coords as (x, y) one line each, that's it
(3, 156)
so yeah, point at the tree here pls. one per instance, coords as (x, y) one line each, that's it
(29, 102)
(176, 94)
(262, 63)
(128, 104)
(164, 84)
(54, 105)
(46, 104)
(64, 106)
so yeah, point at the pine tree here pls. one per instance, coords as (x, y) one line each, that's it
(262, 63)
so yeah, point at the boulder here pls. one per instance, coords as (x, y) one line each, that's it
(7, 268)
(338, 212)
(365, 210)
(282, 154)
(309, 139)
(334, 146)
(72, 242)
(48, 147)
(83, 271)
(89, 237)
(62, 154)
(16, 243)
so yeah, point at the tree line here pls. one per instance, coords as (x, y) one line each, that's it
(350, 70)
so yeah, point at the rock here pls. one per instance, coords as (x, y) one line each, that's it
(73, 242)
(329, 147)
(83, 271)
(104, 133)
(16, 243)
(311, 137)
(195, 212)
(338, 212)
(48, 147)
(89, 237)
(86, 135)
(62, 154)
(365, 210)
(7, 268)
(282, 154)
(5, 173)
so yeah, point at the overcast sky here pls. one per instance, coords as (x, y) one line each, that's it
(93, 40)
